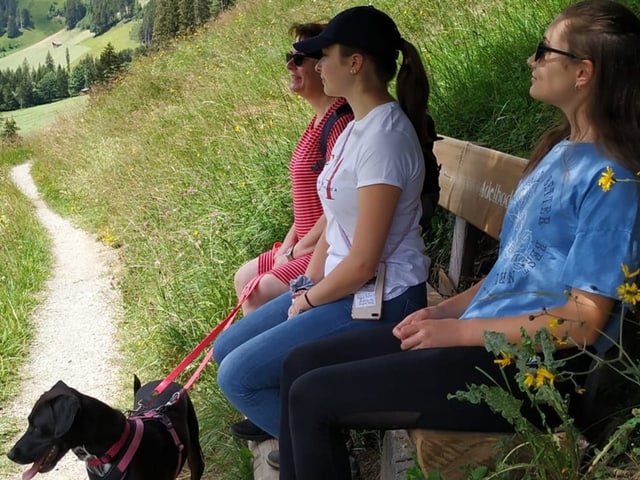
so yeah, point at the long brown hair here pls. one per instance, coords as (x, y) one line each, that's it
(608, 34)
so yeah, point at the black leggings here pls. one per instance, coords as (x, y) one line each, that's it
(363, 380)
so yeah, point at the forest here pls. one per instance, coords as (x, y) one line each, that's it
(159, 21)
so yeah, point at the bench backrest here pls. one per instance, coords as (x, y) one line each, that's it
(476, 184)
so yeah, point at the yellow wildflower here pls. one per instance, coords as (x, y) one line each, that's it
(543, 375)
(628, 273)
(529, 379)
(553, 323)
(606, 179)
(628, 293)
(237, 128)
(506, 359)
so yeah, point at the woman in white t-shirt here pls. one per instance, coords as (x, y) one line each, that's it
(371, 196)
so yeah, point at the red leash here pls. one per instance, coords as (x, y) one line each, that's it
(248, 290)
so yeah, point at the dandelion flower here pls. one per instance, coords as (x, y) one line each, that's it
(553, 323)
(529, 379)
(628, 293)
(543, 376)
(505, 360)
(606, 179)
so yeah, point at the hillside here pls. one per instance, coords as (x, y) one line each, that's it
(77, 42)
(49, 35)
(182, 164)
(44, 25)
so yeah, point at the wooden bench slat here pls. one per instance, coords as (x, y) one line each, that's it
(476, 183)
(449, 452)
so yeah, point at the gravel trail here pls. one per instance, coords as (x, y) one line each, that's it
(75, 324)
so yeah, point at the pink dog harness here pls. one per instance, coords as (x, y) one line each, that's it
(114, 463)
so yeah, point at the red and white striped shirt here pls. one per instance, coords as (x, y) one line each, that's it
(306, 204)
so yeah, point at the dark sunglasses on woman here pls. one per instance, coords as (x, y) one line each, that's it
(541, 49)
(298, 58)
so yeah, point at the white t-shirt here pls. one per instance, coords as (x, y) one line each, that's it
(381, 148)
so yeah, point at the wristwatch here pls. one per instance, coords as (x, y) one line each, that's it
(289, 253)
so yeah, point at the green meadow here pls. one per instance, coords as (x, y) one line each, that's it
(43, 25)
(77, 43)
(182, 163)
(35, 120)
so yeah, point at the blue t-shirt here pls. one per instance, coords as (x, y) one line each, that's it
(562, 231)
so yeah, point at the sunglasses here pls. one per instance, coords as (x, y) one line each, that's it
(541, 49)
(298, 58)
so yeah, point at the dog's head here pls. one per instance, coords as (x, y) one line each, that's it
(47, 437)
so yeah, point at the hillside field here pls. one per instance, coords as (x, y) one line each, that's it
(78, 42)
(36, 120)
(43, 25)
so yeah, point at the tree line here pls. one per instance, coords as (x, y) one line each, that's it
(12, 19)
(160, 19)
(30, 86)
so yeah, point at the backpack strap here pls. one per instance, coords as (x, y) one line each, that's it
(341, 111)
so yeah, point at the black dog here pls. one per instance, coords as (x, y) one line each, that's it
(152, 444)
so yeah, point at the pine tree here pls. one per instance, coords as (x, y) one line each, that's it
(49, 63)
(202, 9)
(186, 16)
(62, 83)
(12, 27)
(148, 19)
(165, 25)
(9, 130)
(25, 19)
(108, 63)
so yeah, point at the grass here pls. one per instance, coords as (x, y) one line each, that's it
(78, 43)
(36, 120)
(24, 266)
(184, 160)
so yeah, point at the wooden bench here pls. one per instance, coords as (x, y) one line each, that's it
(476, 186)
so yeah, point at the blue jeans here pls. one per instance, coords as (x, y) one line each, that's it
(250, 353)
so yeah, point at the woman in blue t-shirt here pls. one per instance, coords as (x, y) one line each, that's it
(563, 242)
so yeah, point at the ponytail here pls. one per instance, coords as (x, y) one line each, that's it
(412, 91)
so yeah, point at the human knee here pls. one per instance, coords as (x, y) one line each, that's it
(228, 379)
(221, 348)
(305, 396)
(244, 275)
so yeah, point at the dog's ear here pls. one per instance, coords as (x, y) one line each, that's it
(63, 411)
(136, 384)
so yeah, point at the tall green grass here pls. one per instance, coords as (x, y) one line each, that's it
(183, 162)
(24, 266)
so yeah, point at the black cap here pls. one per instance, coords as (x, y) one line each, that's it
(364, 28)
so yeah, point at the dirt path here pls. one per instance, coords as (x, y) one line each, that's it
(75, 324)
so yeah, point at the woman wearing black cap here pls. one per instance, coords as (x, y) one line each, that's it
(550, 273)
(371, 195)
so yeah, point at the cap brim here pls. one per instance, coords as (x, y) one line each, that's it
(313, 44)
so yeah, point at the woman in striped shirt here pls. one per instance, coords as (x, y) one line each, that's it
(269, 273)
